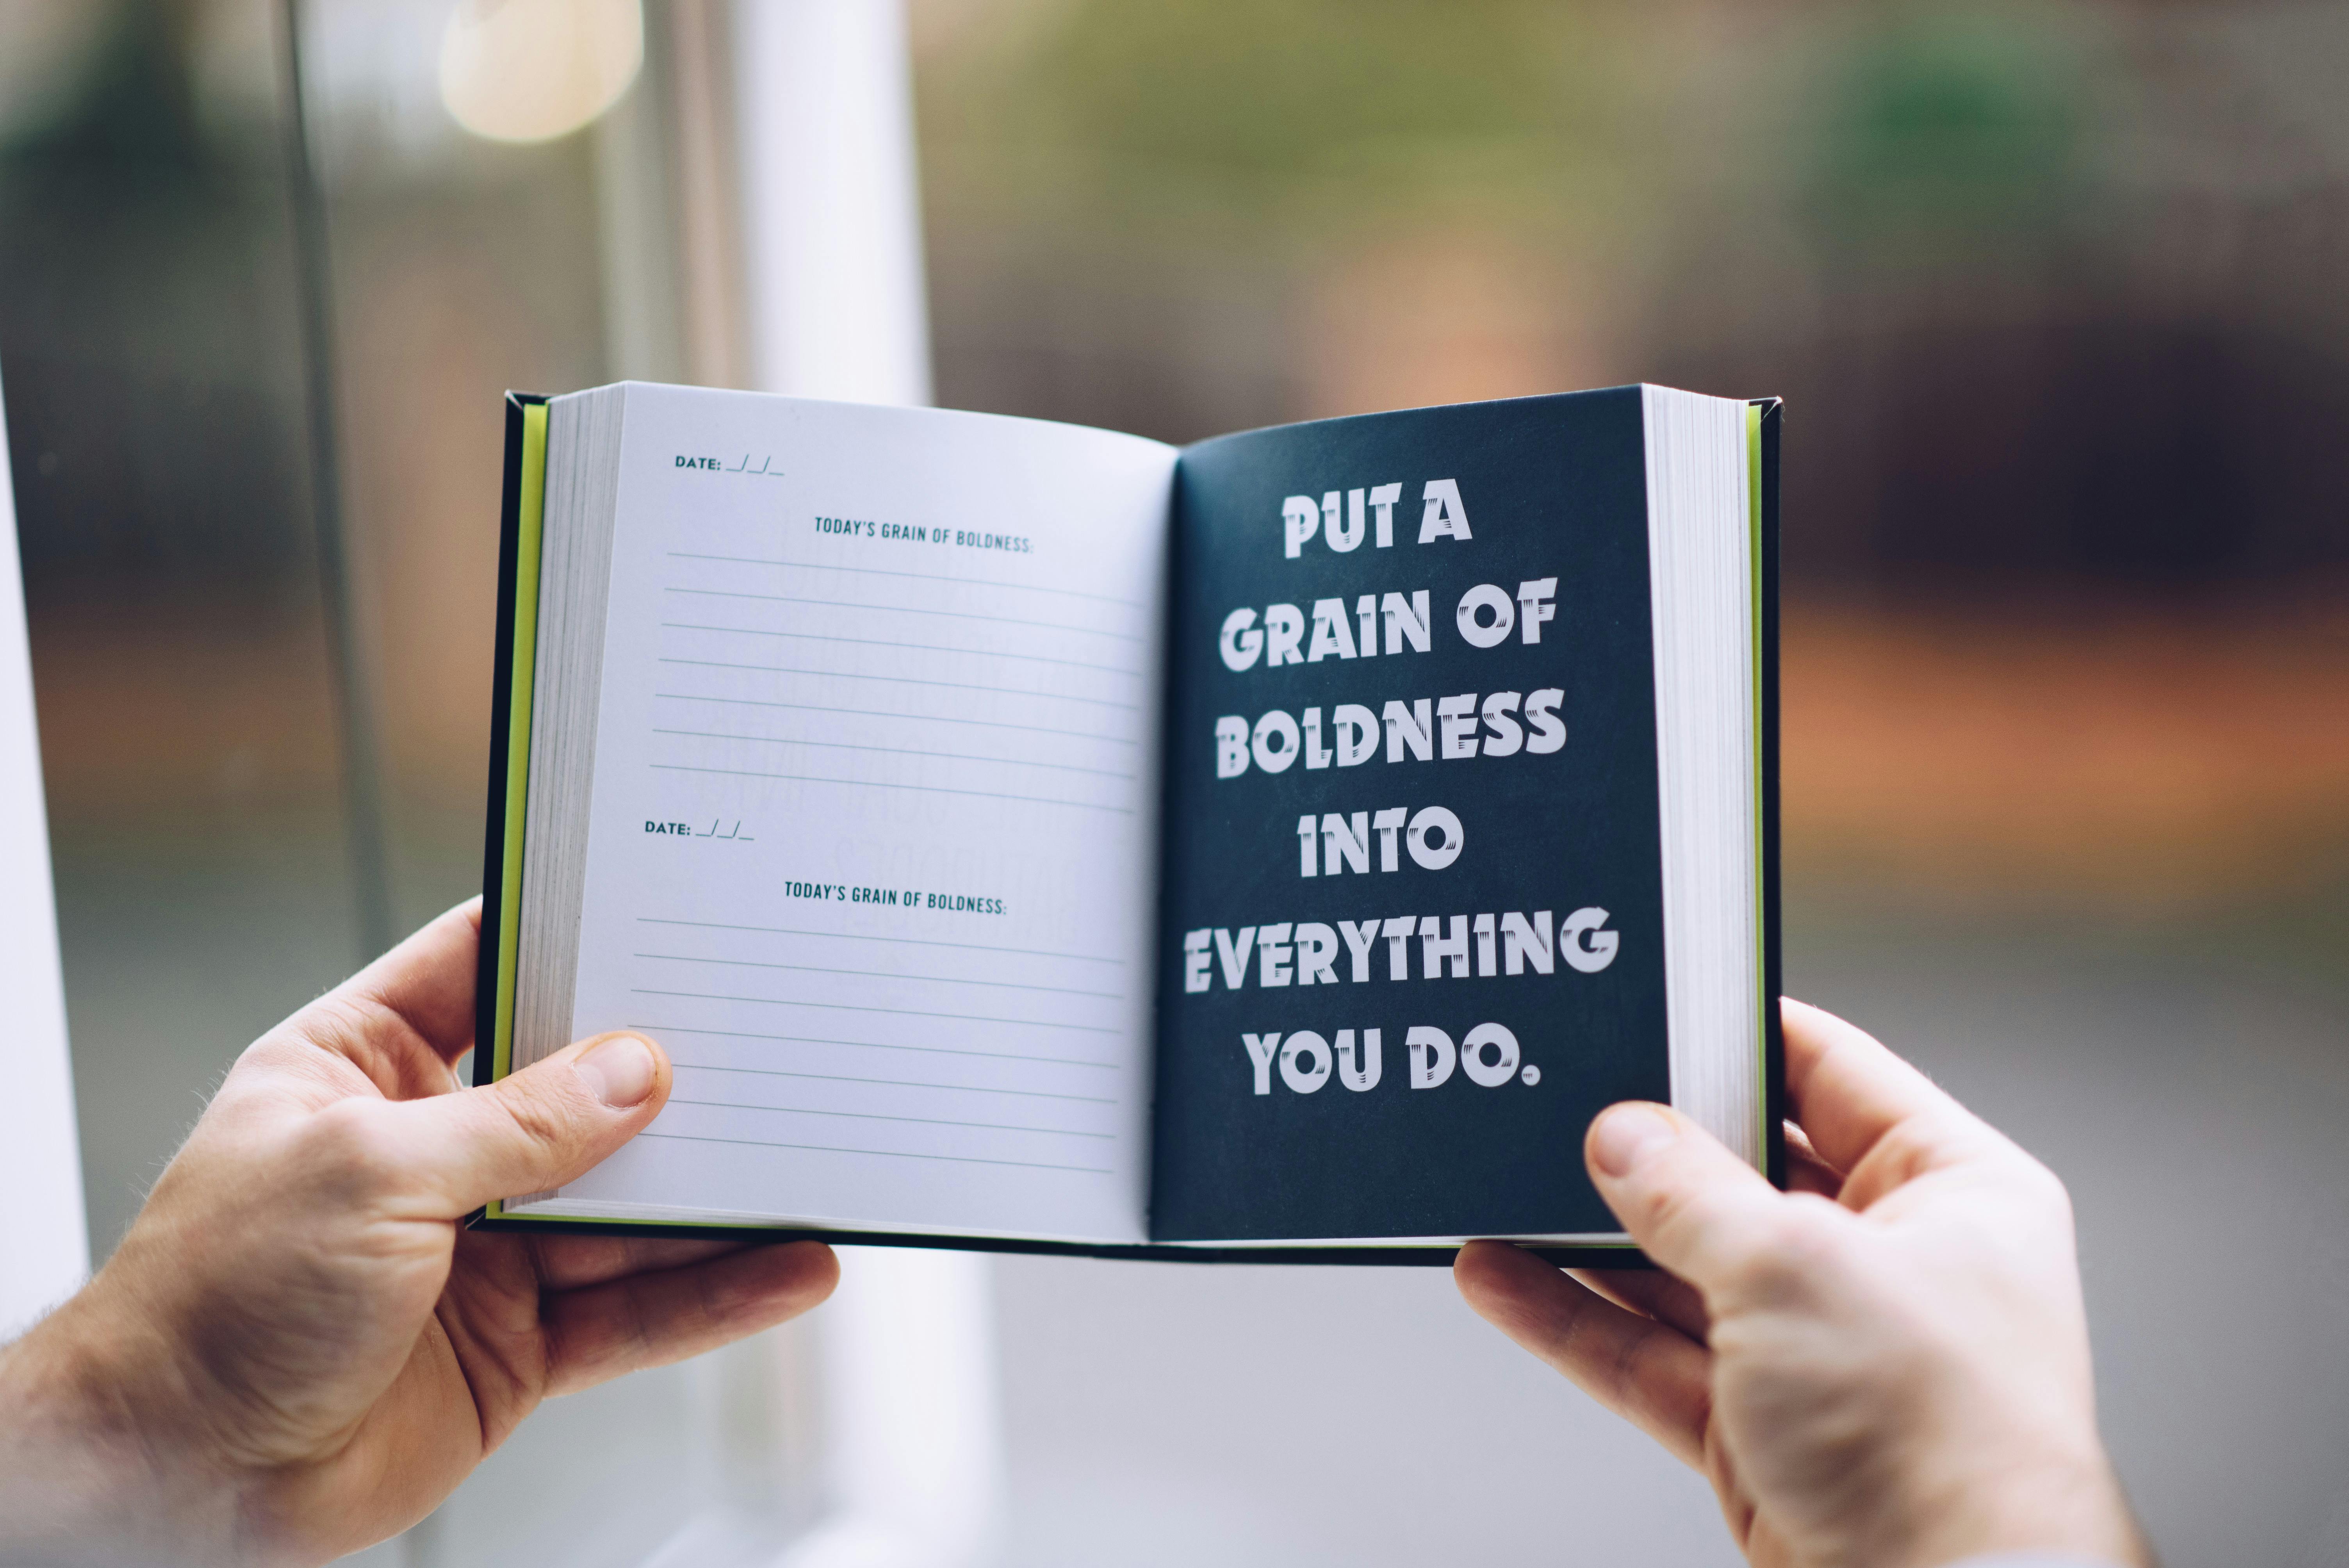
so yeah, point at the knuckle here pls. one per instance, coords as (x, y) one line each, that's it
(2047, 1188)
(1906, 1149)
(1678, 1199)
(348, 1148)
(337, 1021)
(1791, 1250)
(717, 1305)
(543, 1122)
(1669, 1209)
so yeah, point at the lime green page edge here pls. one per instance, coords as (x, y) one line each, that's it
(1761, 892)
(528, 529)
(522, 675)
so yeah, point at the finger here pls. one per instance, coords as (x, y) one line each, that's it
(1653, 1294)
(531, 1131)
(1650, 1375)
(567, 1262)
(651, 1319)
(1805, 1172)
(402, 1021)
(1692, 1206)
(1849, 1091)
(429, 980)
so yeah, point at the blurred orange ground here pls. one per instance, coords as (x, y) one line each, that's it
(2120, 758)
(2128, 758)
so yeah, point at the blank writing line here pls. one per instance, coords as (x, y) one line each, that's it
(921, 576)
(905, 610)
(872, 1116)
(875, 1045)
(886, 1153)
(904, 680)
(900, 1012)
(851, 936)
(884, 975)
(897, 751)
(889, 784)
(893, 1083)
(916, 647)
(876, 712)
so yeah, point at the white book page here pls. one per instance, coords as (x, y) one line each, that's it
(873, 832)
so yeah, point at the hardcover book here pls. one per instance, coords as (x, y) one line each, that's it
(1028, 836)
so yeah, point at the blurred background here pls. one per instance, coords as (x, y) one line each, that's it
(2054, 293)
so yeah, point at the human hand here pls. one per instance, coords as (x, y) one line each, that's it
(297, 1349)
(1887, 1365)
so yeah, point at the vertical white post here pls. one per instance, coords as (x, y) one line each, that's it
(831, 224)
(912, 1430)
(44, 1234)
(832, 285)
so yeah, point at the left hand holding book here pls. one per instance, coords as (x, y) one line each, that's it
(297, 1349)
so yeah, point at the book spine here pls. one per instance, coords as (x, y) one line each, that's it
(497, 916)
(1767, 415)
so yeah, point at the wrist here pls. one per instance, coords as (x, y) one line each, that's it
(2047, 1512)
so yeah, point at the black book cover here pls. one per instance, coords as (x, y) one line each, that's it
(1531, 506)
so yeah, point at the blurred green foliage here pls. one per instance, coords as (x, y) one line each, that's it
(1295, 112)
(1955, 121)
(1283, 89)
(1890, 123)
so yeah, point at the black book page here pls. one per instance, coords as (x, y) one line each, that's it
(1263, 1140)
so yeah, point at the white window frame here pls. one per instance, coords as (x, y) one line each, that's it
(44, 1230)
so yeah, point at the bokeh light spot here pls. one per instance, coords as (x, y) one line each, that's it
(531, 70)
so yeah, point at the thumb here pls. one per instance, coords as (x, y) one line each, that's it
(1693, 1207)
(545, 1125)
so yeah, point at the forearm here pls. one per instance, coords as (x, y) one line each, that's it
(84, 1479)
(2038, 1560)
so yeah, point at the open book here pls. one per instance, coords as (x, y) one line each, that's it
(1026, 835)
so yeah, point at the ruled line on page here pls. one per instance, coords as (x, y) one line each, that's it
(877, 1116)
(1035, 681)
(918, 577)
(880, 713)
(905, 680)
(882, 1046)
(906, 610)
(914, 647)
(892, 1083)
(884, 975)
(898, 751)
(858, 936)
(892, 784)
(900, 1012)
(884, 1153)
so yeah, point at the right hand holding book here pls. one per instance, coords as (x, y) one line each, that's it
(1887, 1363)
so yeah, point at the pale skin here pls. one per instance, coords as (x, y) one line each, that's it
(1887, 1365)
(299, 1349)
